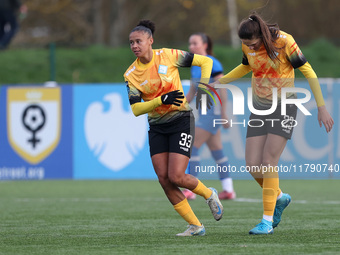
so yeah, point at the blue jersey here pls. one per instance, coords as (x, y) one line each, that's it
(216, 70)
(206, 121)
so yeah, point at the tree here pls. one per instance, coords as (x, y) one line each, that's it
(109, 22)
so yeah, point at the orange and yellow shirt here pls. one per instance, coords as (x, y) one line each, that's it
(269, 74)
(156, 78)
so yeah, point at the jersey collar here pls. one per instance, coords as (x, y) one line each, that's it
(145, 66)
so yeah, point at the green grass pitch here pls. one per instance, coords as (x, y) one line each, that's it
(134, 217)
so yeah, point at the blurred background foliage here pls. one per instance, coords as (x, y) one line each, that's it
(92, 35)
(108, 22)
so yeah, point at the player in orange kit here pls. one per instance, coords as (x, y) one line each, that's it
(272, 55)
(154, 77)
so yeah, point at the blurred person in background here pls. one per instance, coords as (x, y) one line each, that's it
(154, 78)
(271, 55)
(200, 43)
(9, 10)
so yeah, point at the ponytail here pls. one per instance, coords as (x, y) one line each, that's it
(210, 46)
(256, 27)
(206, 39)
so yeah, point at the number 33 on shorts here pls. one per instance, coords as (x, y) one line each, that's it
(185, 141)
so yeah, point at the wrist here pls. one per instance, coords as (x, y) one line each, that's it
(158, 100)
(322, 108)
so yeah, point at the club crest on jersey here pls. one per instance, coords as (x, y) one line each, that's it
(33, 121)
(162, 69)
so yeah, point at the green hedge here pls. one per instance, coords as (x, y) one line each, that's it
(101, 64)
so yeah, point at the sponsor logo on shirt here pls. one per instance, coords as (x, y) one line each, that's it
(162, 69)
(145, 82)
(130, 71)
(159, 52)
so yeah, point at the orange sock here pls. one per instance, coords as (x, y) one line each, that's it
(260, 182)
(183, 208)
(269, 201)
(270, 191)
(202, 190)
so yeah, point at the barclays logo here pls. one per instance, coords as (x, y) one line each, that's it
(115, 136)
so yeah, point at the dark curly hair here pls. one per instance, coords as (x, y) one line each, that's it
(146, 26)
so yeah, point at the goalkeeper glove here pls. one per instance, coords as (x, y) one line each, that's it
(201, 92)
(173, 97)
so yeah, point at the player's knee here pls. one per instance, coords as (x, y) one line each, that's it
(253, 161)
(163, 180)
(270, 159)
(253, 166)
(176, 179)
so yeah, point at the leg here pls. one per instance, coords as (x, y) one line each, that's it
(273, 147)
(272, 151)
(177, 165)
(214, 142)
(180, 144)
(254, 155)
(176, 173)
(160, 145)
(160, 162)
(201, 137)
(215, 145)
(277, 201)
(254, 159)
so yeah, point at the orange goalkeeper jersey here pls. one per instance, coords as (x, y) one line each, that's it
(156, 78)
(269, 74)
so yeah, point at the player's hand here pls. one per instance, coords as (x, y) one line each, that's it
(325, 118)
(200, 93)
(227, 124)
(173, 97)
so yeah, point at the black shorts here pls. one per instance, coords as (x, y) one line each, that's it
(274, 123)
(176, 136)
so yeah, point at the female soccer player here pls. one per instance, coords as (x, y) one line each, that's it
(154, 77)
(272, 55)
(200, 43)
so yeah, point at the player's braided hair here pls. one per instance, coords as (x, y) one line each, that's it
(146, 26)
(255, 27)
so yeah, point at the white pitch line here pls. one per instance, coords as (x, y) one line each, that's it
(108, 200)
(252, 200)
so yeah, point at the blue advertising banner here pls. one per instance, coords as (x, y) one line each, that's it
(88, 131)
(35, 132)
(109, 141)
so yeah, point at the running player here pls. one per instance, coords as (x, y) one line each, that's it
(272, 55)
(200, 43)
(154, 77)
